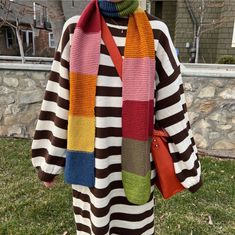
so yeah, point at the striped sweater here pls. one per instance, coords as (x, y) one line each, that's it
(50, 139)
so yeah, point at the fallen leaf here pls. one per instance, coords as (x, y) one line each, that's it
(210, 220)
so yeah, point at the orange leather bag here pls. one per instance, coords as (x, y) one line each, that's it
(166, 181)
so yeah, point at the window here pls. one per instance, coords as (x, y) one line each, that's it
(73, 4)
(233, 40)
(9, 38)
(51, 40)
(39, 15)
(27, 36)
(158, 9)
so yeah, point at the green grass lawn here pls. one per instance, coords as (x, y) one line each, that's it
(27, 208)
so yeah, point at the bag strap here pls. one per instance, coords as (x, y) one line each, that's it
(111, 46)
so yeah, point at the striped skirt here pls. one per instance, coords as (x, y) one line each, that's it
(104, 209)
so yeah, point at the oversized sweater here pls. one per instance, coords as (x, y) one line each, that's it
(50, 140)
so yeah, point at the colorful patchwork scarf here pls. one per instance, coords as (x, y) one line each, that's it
(137, 95)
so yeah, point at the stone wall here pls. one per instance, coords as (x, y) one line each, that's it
(21, 93)
(210, 100)
(211, 106)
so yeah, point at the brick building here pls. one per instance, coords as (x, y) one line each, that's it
(43, 43)
(36, 42)
(214, 43)
(176, 13)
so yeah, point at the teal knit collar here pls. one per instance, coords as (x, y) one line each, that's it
(118, 9)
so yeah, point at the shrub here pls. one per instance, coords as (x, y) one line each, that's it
(227, 59)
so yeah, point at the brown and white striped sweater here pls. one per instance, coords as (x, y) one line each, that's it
(49, 144)
(50, 140)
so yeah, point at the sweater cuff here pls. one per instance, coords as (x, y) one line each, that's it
(45, 177)
(195, 187)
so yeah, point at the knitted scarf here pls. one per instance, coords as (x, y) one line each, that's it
(137, 95)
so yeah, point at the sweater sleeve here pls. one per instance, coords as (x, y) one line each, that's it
(50, 139)
(171, 112)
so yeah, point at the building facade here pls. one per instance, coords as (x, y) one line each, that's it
(19, 16)
(183, 18)
(37, 41)
(40, 45)
(217, 37)
(217, 31)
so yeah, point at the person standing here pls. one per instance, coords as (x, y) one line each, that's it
(97, 128)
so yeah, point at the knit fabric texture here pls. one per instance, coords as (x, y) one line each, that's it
(119, 9)
(137, 98)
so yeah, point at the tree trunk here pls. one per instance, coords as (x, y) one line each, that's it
(202, 9)
(20, 45)
(19, 41)
(197, 48)
(57, 18)
(33, 30)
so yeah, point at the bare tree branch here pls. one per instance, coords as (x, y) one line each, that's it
(13, 15)
(201, 9)
(8, 23)
(216, 25)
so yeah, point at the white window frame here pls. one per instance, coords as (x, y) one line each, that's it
(233, 39)
(51, 40)
(27, 35)
(38, 15)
